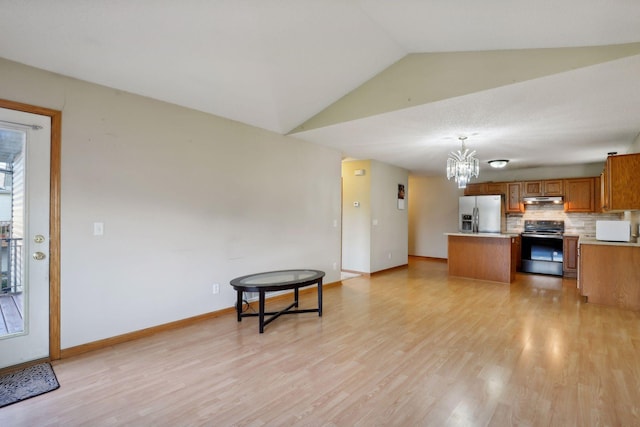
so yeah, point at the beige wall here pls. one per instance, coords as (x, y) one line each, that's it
(187, 200)
(421, 78)
(635, 147)
(374, 234)
(356, 220)
(433, 211)
(389, 224)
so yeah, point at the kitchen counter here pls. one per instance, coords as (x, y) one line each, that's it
(608, 273)
(592, 241)
(483, 256)
(493, 235)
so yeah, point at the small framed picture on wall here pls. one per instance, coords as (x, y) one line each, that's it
(401, 196)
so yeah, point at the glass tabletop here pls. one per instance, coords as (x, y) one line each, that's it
(283, 277)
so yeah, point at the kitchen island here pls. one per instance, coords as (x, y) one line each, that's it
(483, 256)
(608, 273)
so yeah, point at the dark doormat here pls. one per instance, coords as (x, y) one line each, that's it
(29, 382)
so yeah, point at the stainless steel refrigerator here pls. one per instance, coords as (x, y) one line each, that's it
(481, 214)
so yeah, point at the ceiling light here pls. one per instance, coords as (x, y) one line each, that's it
(462, 166)
(498, 163)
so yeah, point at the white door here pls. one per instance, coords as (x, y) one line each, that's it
(25, 141)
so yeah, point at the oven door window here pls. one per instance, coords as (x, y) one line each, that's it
(542, 249)
(545, 253)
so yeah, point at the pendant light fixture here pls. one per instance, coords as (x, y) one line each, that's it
(462, 166)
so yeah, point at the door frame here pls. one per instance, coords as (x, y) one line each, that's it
(54, 218)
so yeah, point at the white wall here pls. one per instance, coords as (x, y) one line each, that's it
(635, 147)
(389, 225)
(187, 200)
(433, 211)
(374, 234)
(356, 220)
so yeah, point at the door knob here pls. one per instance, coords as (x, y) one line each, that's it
(39, 256)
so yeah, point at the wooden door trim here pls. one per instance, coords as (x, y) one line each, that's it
(54, 218)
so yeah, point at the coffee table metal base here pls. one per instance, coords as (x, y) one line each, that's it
(292, 308)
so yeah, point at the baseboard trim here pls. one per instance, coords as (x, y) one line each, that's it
(358, 272)
(397, 267)
(386, 270)
(119, 339)
(15, 368)
(429, 258)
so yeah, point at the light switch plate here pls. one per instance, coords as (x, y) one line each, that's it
(98, 228)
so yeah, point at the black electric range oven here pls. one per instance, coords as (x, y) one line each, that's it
(542, 247)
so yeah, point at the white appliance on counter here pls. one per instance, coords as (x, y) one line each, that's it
(481, 214)
(613, 231)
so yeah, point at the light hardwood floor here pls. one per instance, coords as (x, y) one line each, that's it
(408, 347)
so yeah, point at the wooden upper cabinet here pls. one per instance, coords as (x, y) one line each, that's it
(579, 195)
(621, 190)
(604, 191)
(551, 187)
(597, 194)
(484, 188)
(475, 189)
(531, 188)
(513, 198)
(495, 188)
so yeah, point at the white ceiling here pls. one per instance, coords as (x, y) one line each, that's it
(276, 63)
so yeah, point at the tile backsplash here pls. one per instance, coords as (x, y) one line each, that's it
(634, 217)
(574, 223)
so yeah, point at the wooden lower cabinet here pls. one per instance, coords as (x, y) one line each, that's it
(570, 256)
(516, 251)
(609, 275)
(484, 258)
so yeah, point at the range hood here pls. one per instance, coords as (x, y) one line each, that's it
(540, 200)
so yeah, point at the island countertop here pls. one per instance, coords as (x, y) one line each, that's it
(494, 235)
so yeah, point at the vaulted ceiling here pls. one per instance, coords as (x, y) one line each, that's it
(539, 83)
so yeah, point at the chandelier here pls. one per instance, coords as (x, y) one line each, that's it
(462, 166)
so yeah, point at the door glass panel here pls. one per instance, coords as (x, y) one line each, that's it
(12, 289)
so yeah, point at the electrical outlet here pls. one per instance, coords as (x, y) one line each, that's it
(216, 288)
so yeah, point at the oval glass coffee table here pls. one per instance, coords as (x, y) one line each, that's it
(277, 281)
